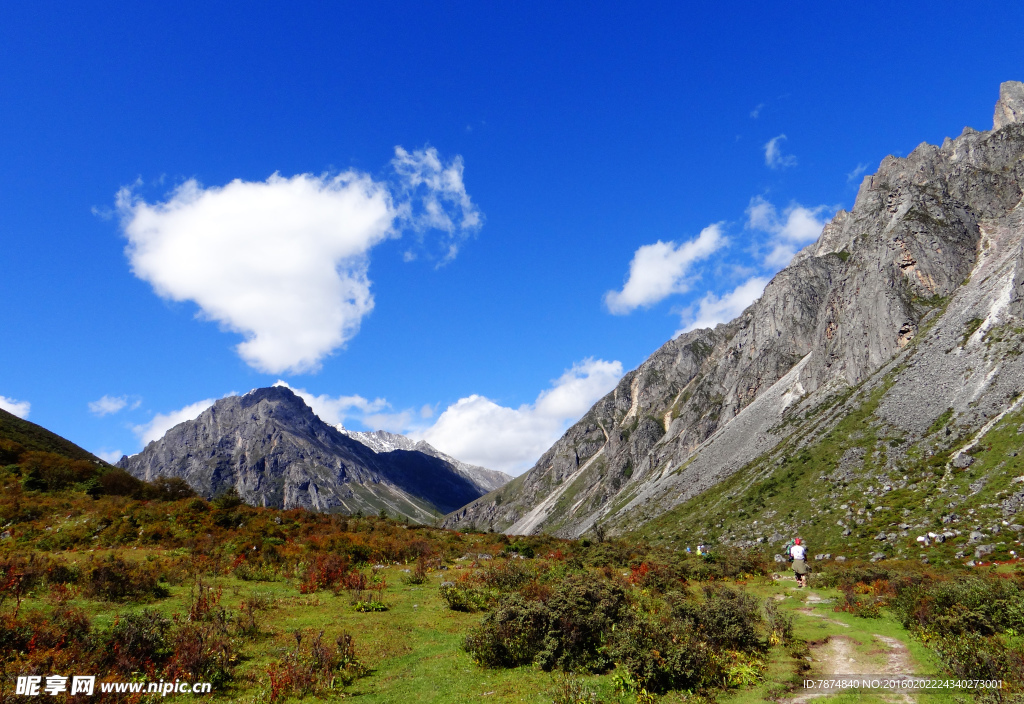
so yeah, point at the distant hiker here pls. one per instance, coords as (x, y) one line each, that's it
(798, 556)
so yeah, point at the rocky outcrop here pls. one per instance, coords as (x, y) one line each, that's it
(272, 448)
(928, 259)
(1010, 108)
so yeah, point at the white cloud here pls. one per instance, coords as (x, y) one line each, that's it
(18, 408)
(111, 456)
(796, 227)
(856, 173)
(477, 430)
(112, 404)
(756, 112)
(335, 409)
(162, 422)
(659, 270)
(433, 197)
(773, 155)
(713, 310)
(284, 261)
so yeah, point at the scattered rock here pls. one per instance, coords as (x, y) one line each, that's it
(983, 550)
(963, 461)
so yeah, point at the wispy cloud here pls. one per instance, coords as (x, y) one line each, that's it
(789, 232)
(284, 262)
(858, 171)
(112, 404)
(661, 269)
(756, 112)
(18, 408)
(774, 158)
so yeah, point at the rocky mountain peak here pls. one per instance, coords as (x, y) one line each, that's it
(1010, 107)
(275, 451)
(927, 263)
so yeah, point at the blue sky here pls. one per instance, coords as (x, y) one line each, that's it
(462, 221)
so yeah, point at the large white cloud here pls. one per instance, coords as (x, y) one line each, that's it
(162, 422)
(712, 310)
(18, 408)
(659, 270)
(284, 261)
(477, 430)
(795, 228)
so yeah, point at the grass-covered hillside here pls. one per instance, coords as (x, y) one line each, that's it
(854, 488)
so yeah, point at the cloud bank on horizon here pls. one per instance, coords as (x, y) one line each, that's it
(474, 429)
(284, 262)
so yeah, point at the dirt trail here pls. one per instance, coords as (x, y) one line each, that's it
(838, 656)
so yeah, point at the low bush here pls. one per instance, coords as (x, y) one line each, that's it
(319, 669)
(137, 643)
(462, 597)
(581, 612)
(728, 619)
(115, 579)
(324, 572)
(660, 655)
(511, 635)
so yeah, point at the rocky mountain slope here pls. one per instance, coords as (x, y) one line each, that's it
(382, 441)
(272, 448)
(888, 349)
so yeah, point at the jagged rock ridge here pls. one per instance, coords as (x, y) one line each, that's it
(271, 447)
(932, 246)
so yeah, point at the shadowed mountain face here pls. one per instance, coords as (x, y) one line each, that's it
(912, 300)
(272, 448)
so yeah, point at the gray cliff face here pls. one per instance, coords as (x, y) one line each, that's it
(932, 244)
(276, 452)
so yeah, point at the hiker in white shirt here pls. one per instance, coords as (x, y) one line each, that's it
(798, 554)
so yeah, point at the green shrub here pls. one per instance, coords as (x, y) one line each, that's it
(137, 642)
(462, 597)
(506, 577)
(509, 636)
(729, 619)
(660, 655)
(115, 579)
(581, 613)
